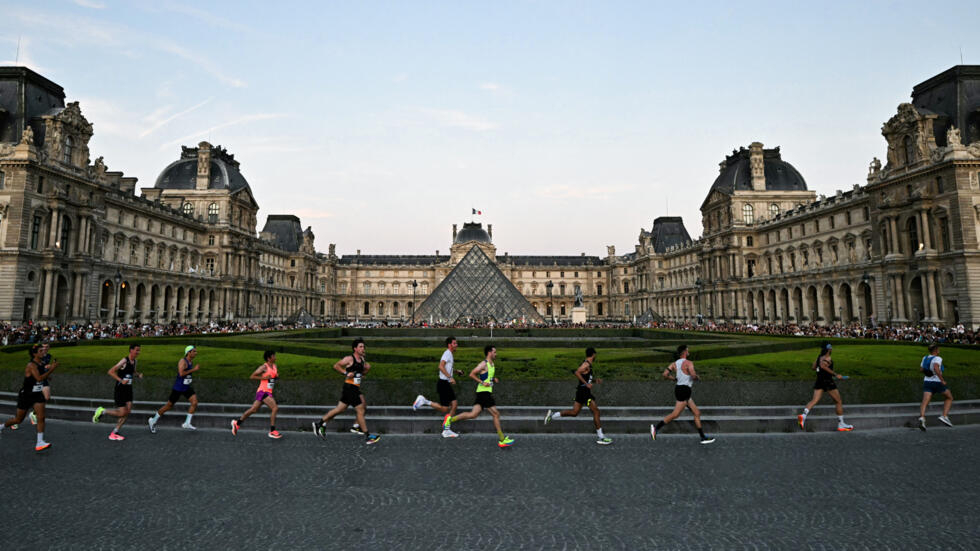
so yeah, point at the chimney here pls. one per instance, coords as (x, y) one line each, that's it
(203, 165)
(454, 232)
(490, 230)
(757, 166)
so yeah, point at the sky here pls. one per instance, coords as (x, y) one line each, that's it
(571, 125)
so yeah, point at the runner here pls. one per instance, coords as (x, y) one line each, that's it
(685, 377)
(824, 366)
(46, 389)
(483, 374)
(268, 374)
(583, 396)
(31, 395)
(934, 383)
(444, 387)
(123, 372)
(354, 368)
(182, 387)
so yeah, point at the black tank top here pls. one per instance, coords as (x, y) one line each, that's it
(126, 372)
(31, 384)
(587, 375)
(821, 372)
(356, 371)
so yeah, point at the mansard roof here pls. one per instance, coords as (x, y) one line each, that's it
(182, 173)
(736, 174)
(533, 260)
(667, 232)
(285, 230)
(392, 259)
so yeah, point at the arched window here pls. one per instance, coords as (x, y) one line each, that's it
(68, 150)
(773, 210)
(343, 308)
(381, 308)
(188, 209)
(913, 236)
(213, 213)
(748, 215)
(748, 241)
(65, 235)
(367, 308)
(908, 149)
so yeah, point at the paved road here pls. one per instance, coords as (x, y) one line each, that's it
(885, 489)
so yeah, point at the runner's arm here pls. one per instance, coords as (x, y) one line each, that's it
(343, 364)
(825, 365)
(667, 370)
(580, 372)
(112, 370)
(258, 373)
(475, 374)
(443, 370)
(184, 368)
(936, 366)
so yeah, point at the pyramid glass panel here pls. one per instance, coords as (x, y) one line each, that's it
(476, 290)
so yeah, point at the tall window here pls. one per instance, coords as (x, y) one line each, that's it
(343, 288)
(913, 236)
(40, 184)
(909, 150)
(147, 255)
(773, 210)
(367, 308)
(213, 213)
(36, 232)
(132, 254)
(69, 149)
(944, 234)
(599, 309)
(748, 241)
(209, 265)
(65, 235)
(188, 209)
(367, 287)
(2, 178)
(748, 215)
(939, 184)
(211, 240)
(394, 288)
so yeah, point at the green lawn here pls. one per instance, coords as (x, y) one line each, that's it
(859, 360)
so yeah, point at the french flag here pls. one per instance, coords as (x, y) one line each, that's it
(477, 211)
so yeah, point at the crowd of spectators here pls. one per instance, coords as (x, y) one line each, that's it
(32, 332)
(918, 333)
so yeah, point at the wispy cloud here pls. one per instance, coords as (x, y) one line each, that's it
(203, 16)
(159, 123)
(90, 4)
(203, 63)
(458, 119)
(564, 191)
(204, 132)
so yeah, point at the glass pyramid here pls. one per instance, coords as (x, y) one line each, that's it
(476, 290)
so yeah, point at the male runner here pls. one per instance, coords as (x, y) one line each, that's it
(123, 372)
(353, 368)
(583, 396)
(46, 383)
(31, 395)
(685, 377)
(484, 375)
(444, 387)
(824, 367)
(268, 375)
(934, 383)
(182, 387)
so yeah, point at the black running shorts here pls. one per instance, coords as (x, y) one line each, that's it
(583, 395)
(446, 393)
(26, 400)
(176, 394)
(351, 395)
(682, 393)
(824, 382)
(122, 395)
(485, 400)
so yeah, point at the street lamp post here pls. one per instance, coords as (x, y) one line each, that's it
(697, 285)
(268, 302)
(551, 306)
(115, 307)
(415, 284)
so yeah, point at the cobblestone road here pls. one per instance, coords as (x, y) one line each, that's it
(888, 489)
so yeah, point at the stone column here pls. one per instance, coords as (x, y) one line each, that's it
(804, 304)
(933, 304)
(857, 304)
(53, 229)
(893, 230)
(899, 295)
(925, 234)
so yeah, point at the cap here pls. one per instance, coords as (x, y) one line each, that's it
(188, 349)
(828, 346)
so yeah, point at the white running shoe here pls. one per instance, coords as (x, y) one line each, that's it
(33, 417)
(188, 426)
(653, 431)
(707, 440)
(356, 429)
(844, 427)
(419, 402)
(604, 441)
(446, 433)
(922, 424)
(945, 420)
(547, 417)
(153, 425)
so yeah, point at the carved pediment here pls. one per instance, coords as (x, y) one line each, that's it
(910, 137)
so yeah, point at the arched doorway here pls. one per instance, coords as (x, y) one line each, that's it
(105, 302)
(827, 301)
(61, 299)
(124, 291)
(771, 302)
(798, 312)
(865, 305)
(847, 303)
(750, 305)
(154, 303)
(785, 315)
(138, 312)
(915, 300)
(811, 298)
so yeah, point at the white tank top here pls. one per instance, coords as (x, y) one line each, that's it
(682, 378)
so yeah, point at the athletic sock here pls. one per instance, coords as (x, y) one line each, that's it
(155, 418)
(840, 419)
(452, 420)
(272, 428)
(240, 421)
(660, 425)
(806, 412)
(189, 416)
(556, 415)
(427, 402)
(500, 435)
(701, 432)
(40, 438)
(598, 433)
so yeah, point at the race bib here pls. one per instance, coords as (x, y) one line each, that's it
(272, 382)
(357, 379)
(188, 380)
(38, 387)
(128, 380)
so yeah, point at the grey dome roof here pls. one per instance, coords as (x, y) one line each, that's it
(182, 174)
(736, 174)
(472, 231)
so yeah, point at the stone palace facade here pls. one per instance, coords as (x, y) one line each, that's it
(77, 243)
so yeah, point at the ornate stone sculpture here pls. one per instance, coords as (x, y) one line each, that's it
(578, 295)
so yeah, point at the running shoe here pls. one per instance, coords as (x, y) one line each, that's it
(446, 433)
(188, 426)
(945, 420)
(604, 441)
(98, 413)
(15, 426)
(707, 440)
(922, 424)
(372, 439)
(419, 402)
(844, 427)
(316, 429)
(506, 442)
(33, 417)
(446, 422)
(356, 429)
(547, 417)
(653, 431)
(116, 436)
(234, 427)
(801, 419)
(275, 434)
(153, 425)
(41, 446)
